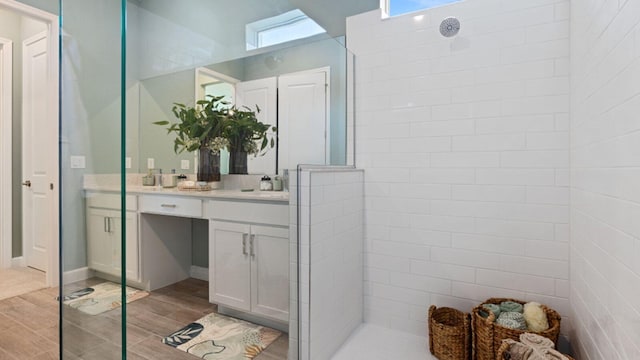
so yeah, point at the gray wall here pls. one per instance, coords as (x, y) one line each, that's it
(200, 243)
(51, 6)
(90, 110)
(157, 96)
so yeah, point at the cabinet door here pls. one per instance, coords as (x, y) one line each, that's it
(99, 241)
(229, 265)
(132, 244)
(269, 249)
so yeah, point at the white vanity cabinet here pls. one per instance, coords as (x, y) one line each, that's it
(249, 257)
(104, 235)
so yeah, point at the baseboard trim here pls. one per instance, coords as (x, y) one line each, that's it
(19, 261)
(256, 319)
(79, 274)
(200, 273)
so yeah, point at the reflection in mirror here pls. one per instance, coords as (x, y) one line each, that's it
(211, 83)
(257, 77)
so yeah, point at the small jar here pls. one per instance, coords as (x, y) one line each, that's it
(277, 183)
(266, 184)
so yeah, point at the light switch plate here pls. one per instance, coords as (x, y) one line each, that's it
(151, 164)
(184, 164)
(127, 163)
(77, 162)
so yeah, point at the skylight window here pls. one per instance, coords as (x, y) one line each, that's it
(399, 7)
(279, 29)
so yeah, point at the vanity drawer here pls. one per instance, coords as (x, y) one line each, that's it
(110, 201)
(246, 211)
(171, 205)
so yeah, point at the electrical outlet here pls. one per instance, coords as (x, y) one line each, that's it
(77, 162)
(184, 164)
(151, 164)
(127, 163)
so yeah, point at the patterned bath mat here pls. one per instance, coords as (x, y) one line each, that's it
(102, 297)
(221, 337)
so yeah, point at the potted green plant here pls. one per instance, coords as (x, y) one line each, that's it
(201, 128)
(246, 135)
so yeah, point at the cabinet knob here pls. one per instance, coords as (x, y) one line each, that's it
(173, 206)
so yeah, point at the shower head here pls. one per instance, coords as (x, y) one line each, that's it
(449, 27)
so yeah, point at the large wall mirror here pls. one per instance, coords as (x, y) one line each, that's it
(300, 86)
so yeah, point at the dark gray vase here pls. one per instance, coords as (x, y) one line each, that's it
(238, 162)
(208, 165)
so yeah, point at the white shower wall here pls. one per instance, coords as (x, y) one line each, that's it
(331, 264)
(605, 165)
(464, 142)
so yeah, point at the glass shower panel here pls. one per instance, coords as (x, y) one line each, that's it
(327, 230)
(113, 236)
(92, 220)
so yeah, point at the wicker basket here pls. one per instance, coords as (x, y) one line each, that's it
(449, 334)
(504, 350)
(487, 336)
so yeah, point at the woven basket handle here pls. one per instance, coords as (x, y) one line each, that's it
(432, 308)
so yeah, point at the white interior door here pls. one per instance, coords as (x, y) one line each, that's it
(6, 66)
(263, 93)
(39, 153)
(302, 119)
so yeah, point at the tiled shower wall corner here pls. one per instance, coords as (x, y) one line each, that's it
(331, 243)
(464, 143)
(605, 184)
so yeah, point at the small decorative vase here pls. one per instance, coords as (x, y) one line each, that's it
(238, 162)
(208, 165)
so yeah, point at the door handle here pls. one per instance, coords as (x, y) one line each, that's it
(244, 244)
(27, 183)
(251, 248)
(105, 224)
(172, 206)
(109, 224)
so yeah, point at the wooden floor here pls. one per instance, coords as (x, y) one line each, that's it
(21, 280)
(29, 326)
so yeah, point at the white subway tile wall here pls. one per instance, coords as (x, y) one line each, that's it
(465, 146)
(605, 181)
(333, 270)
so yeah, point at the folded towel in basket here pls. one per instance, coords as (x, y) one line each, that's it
(495, 309)
(533, 347)
(536, 341)
(512, 320)
(511, 306)
(519, 351)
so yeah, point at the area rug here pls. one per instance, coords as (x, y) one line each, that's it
(221, 337)
(102, 297)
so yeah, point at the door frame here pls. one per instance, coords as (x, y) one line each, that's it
(51, 20)
(6, 120)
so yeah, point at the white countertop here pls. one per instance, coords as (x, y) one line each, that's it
(281, 196)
